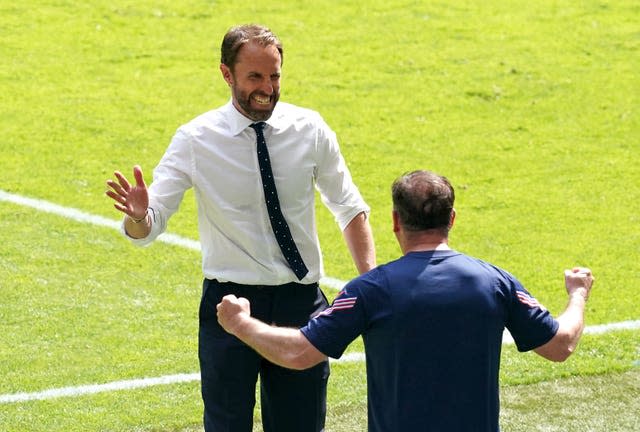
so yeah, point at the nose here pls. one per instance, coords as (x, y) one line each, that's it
(267, 87)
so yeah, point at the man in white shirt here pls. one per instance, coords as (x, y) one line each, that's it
(216, 154)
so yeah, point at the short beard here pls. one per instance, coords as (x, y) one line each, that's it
(253, 114)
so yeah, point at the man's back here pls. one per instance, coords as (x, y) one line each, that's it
(432, 324)
(436, 353)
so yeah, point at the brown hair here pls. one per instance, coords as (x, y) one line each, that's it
(424, 200)
(237, 36)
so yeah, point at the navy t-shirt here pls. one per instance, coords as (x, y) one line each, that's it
(432, 325)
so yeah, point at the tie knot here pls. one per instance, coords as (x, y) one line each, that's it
(258, 126)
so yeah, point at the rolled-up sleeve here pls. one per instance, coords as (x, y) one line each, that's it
(171, 178)
(333, 179)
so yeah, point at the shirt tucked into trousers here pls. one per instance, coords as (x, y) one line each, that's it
(215, 154)
(292, 401)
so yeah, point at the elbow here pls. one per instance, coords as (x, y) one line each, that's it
(301, 362)
(557, 350)
(571, 349)
(568, 343)
(297, 364)
(560, 356)
(305, 358)
(300, 354)
(565, 353)
(290, 361)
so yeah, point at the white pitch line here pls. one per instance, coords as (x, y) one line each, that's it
(80, 216)
(182, 378)
(127, 384)
(596, 329)
(98, 388)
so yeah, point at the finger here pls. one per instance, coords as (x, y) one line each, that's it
(126, 186)
(583, 271)
(116, 187)
(579, 271)
(121, 208)
(116, 197)
(245, 305)
(229, 298)
(137, 174)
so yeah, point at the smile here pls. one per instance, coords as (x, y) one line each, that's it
(262, 100)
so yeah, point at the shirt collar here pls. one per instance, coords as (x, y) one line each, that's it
(238, 122)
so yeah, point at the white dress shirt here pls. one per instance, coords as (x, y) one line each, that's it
(216, 155)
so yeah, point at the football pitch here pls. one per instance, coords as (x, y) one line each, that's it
(530, 109)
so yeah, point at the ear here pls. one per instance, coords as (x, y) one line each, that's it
(453, 218)
(226, 73)
(396, 221)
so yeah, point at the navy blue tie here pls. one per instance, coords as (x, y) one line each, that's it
(278, 223)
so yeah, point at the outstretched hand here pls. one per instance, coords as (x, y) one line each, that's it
(130, 200)
(578, 279)
(232, 311)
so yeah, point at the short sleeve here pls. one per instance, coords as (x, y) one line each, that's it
(335, 328)
(529, 322)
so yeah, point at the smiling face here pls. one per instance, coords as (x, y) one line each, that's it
(255, 80)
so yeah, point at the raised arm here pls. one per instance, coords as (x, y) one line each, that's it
(286, 347)
(578, 282)
(359, 239)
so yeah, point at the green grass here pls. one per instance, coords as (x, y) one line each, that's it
(530, 108)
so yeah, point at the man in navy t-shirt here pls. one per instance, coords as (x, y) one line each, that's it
(432, 322)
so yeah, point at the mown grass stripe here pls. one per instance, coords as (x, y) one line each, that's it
(126, 385)
(80, 216)
(182, 378)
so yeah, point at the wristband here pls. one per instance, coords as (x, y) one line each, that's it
(137, 221)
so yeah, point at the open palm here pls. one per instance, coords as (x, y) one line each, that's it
(132, 200)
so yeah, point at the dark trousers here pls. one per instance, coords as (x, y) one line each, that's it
(291, 401)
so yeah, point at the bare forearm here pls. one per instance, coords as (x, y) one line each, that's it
(571, 325)
(578, 282)
(359, 239)
(286, 347)
(572, 320)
